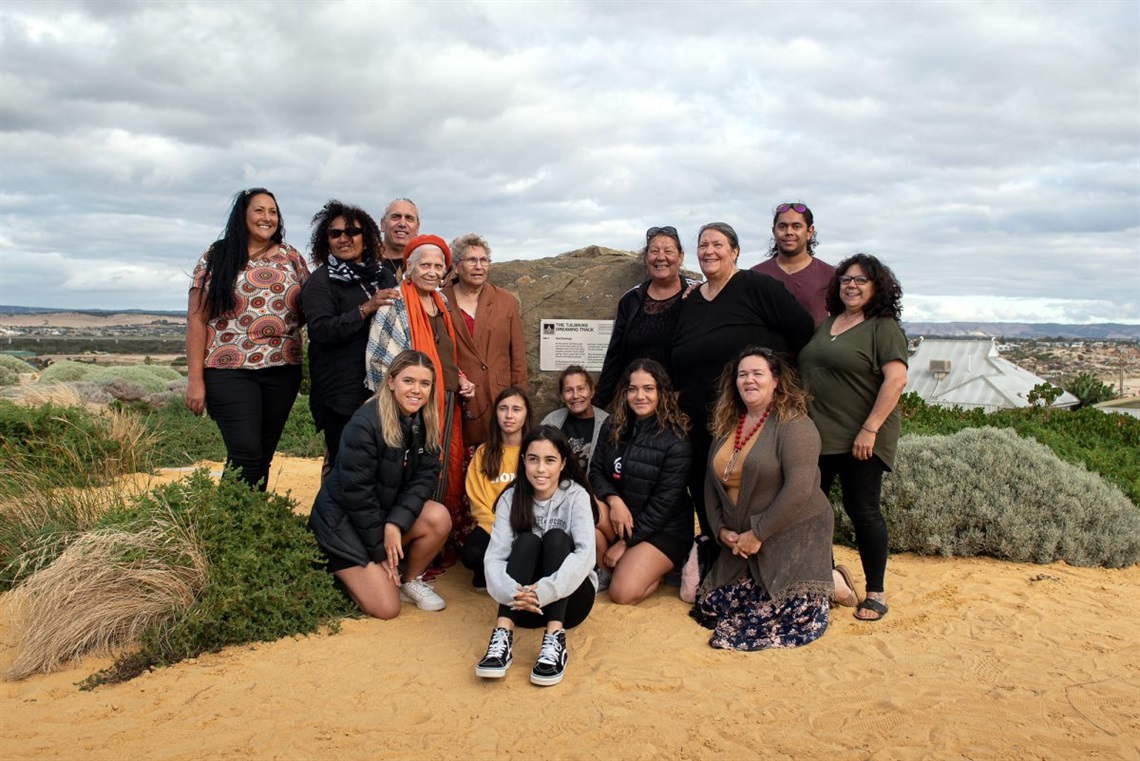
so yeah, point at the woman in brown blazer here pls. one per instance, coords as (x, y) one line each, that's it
(488, 335)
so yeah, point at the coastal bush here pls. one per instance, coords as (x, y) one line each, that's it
(152, 378)
(8, 377)
(1106, 443)
(987, 491)
(265, 575)
(15, 364)
(65, 371)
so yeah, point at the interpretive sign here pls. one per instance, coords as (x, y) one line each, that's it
(573, 342)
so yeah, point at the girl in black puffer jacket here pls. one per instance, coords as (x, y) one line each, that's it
(639, 469)
(373, 509)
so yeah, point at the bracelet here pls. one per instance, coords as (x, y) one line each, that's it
(361, 310)
(868, 430)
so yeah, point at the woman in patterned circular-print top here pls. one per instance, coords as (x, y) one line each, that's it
(243, 340)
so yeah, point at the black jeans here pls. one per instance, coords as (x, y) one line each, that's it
(474, 550)
(533, 558)
(250, 408)
(862, 482)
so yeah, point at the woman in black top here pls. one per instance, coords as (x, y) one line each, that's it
(339, 299)
(732, 309)
(647, 315)
(639, 469)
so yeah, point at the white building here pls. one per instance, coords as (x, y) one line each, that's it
(970, 374)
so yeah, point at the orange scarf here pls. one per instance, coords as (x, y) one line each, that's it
(422, 337)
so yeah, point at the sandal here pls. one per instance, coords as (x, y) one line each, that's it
(872, 605)
(851, 600)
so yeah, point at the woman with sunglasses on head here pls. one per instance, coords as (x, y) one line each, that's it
(855, 369)
(345, 290)
(374, 510)
(770, 584)
(243, 334)
(647, 314)
(732, 309)
(540, 559)
(639, 469)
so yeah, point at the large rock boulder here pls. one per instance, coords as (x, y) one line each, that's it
(578, 285)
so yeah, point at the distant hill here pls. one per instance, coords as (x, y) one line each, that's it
(1114, 331)
(7, 309)
(1102, 331)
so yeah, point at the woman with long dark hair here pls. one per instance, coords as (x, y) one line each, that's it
(493, 469)
(539, 564)
(243, 334)
(639, 470)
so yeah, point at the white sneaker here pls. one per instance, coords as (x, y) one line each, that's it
(420, 592)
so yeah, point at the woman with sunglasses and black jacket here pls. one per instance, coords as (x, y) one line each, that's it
(647, 314)
(339, 299)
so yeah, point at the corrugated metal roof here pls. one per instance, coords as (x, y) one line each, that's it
(977, 376)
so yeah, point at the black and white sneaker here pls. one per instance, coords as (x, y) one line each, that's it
(551, 664)
(498, 658)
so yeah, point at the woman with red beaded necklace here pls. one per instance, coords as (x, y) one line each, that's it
(771, 583)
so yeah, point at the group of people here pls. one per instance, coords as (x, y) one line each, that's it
(419, 384)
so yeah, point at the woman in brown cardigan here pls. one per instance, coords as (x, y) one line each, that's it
(771, 584)
(489, 342)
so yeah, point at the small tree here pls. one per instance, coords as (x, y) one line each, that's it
(1043, 395)
(1091, 390)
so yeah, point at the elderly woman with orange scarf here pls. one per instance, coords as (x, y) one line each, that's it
(419, 320)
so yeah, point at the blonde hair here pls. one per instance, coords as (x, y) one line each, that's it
(789, 402)
(390, 412)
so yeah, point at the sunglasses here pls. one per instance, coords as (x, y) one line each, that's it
(796, 207)
(352, 232)
(653, 232)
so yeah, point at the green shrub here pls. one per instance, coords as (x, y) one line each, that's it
(266, 577)
(66, 371)
(8, 377)
(1106, 443)
(986, 491)
(150, 377)
(15, 364)
(73, 444)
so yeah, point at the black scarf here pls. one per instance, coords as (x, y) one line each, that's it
(365, 273)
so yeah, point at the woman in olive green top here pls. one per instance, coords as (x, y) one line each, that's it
(855, 369)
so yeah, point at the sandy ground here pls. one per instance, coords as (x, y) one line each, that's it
(978, 659)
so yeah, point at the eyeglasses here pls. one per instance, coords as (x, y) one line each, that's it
(857, 279)
(796, 207)
(653, 232)
(352, 232)
(480, 262)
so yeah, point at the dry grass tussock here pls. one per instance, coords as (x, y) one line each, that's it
(102, 592)
(36, 395)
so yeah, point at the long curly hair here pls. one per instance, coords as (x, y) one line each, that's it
(789, 402)
(493, 448)
(228, 255)
(522, 501)
(319, 250)
(886, 297)
(390, 411)
(669, 414)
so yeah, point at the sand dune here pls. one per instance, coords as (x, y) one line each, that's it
(977, 659)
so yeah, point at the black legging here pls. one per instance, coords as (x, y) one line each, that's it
(862, 482)
(474, 550)
(250, 408)
(533, 558)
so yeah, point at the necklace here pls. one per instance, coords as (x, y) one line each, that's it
(740, 440)
(844, 329)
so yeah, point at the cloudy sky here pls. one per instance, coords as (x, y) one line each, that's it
(989, 152)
